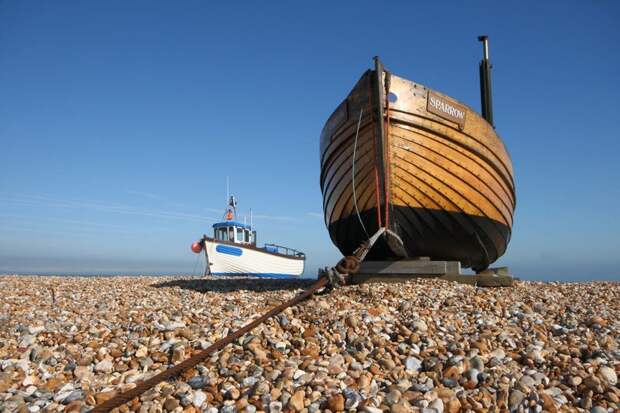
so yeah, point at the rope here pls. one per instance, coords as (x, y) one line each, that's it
(195, 265)
(203, 355)
(207, 267)
(359, 121)
(329, 277)
(380, 224)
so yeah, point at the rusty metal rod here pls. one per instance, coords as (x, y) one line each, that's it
(197, 358)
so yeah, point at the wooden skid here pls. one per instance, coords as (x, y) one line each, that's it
(398, 271)
(409, 267)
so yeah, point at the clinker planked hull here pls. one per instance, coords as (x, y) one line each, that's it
(426, 166)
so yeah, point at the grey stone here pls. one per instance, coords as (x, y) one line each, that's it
(352, 398)
(198, 382)
(437, 404)
(515, 400)
(275, 407)
(476, 363)
(392, 397)
(73, 396)
(413, 364)
(527, 381)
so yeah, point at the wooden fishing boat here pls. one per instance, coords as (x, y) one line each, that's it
(399, 155)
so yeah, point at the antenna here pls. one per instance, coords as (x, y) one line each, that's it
(251, 218)
(486, 97)
(227, 188)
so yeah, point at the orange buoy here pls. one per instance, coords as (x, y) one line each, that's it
(197, 247)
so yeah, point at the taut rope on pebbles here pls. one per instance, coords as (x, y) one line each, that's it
(330, 277)
(203, 355)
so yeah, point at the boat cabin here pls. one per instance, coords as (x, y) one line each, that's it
(235, 232)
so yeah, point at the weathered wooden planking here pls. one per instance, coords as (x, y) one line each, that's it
(448, 178)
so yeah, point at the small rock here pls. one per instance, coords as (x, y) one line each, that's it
(198, 382)
(170, 404)
(548, 403)
(515, 400)
(27, 340)
(413, 364)
(498, 353)
(141, 352)
(471, 379)
(387, 363)
(609, 375)
(593, 383)
(437, 404)
(63, 392)
(476, 363)
(104, 396)
(596, 321)
(104, 366)
(352, 399)
(575, 381)
(392, 397)
(403, 407)
(275, 407)
(420, 325)
(199, 398)
(297, 400)
(178, 354)
(73, 396)
(527, 381)
(336, 402)
(262, 387)
(34, 330)
(454, 406)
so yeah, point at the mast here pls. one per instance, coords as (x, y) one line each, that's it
(485, 81)
(378, 93)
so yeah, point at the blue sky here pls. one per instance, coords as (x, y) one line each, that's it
(119, 122)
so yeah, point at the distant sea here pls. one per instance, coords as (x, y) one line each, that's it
(99, 267)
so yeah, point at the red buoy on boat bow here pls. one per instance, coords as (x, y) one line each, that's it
(197, 247)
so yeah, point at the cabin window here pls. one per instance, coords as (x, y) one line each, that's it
(221, 234)
(247, 235)
(231, 233)
(239, 234)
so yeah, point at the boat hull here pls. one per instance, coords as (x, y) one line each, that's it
(421, 164)
(228, 259)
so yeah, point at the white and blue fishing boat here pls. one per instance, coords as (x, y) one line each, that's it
(232, 250)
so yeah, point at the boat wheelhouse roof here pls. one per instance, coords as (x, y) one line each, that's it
(231, 224)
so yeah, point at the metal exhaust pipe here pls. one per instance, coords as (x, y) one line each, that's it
(485, 82)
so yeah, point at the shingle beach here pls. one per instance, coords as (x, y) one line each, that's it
(67, 343)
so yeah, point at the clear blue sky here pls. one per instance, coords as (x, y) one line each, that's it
(119, 122)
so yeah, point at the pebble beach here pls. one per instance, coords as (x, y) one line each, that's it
(68, 343)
